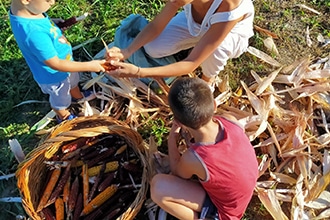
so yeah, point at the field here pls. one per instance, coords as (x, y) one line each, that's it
(23, 104)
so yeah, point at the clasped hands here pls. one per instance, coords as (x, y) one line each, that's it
(115, 65)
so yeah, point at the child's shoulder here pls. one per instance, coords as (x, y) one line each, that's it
(231, 119)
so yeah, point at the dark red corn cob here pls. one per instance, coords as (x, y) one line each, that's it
(71, 21)
(67, 23)
(107, 181)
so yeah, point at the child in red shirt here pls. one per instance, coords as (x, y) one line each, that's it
(220, 155)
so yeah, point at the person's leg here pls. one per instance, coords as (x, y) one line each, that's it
(209, 210)
(174, 38)
(59, 97)
(62, 114)
(179, 197)
(75, 90)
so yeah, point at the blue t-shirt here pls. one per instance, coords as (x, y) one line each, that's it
(39, 40)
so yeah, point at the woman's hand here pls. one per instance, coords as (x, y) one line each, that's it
(122, 69)
(116, 53)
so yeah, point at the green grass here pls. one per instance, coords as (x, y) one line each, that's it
(17, 85)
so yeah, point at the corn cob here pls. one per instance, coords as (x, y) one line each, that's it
(103, 155)
(59, 208)
(49, 188)
(107, 181)
(104, 208)
(89, 147)
(114, 213)
(91, 155)
(96, 182)
(131, 167)
(110, 166)
(85, 184)
(76, 144)
(78, 163)
(99, 199)
(48, 214)
(66, 191)
(94, 215)
(73, 195)
(79, 207)
(121, 149)
(60, 185)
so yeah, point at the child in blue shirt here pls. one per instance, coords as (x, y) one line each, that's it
(48, 54)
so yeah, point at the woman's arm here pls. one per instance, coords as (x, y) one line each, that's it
(150, 32)
(203, 49)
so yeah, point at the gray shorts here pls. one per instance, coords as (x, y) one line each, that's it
(59, 93)
(209, 211)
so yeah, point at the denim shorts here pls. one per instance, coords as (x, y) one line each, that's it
(209, 211)
(59, 93)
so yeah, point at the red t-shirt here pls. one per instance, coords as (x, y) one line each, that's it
(232, 170)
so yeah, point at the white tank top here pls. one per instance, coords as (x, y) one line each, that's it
(243, 28)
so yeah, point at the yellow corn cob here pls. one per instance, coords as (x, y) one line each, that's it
(99, 199)
(59, 208)
(79, 163)
(49, 188)
(121, 149)
(109, 167)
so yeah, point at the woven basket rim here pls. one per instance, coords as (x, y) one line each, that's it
(28, 169)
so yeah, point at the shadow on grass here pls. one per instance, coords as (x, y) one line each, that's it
(17, 86)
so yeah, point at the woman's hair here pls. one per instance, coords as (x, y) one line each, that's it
(191, 102)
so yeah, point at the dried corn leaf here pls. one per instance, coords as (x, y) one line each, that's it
(323, 215)
(308, 8)
(326, 162)
(265, 31)
(271, 203)
(17, 150)
(270, 45)
(263, 56)
(322, 202)
(283, 178)
(318, 187)
(94, 80)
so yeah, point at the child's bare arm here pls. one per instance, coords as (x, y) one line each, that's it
(74, 66)
(185, 165)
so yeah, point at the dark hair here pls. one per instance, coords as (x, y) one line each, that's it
(191, 102)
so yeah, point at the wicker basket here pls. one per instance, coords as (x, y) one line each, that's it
(31, 173)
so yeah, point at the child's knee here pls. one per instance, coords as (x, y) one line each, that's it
(157, 188)
(153, 187)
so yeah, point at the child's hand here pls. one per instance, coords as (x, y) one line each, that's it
(97, 66)
(174, 134)
(57, 20)
(123, 69)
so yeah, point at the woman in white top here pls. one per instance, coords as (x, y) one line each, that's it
(217, 30)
